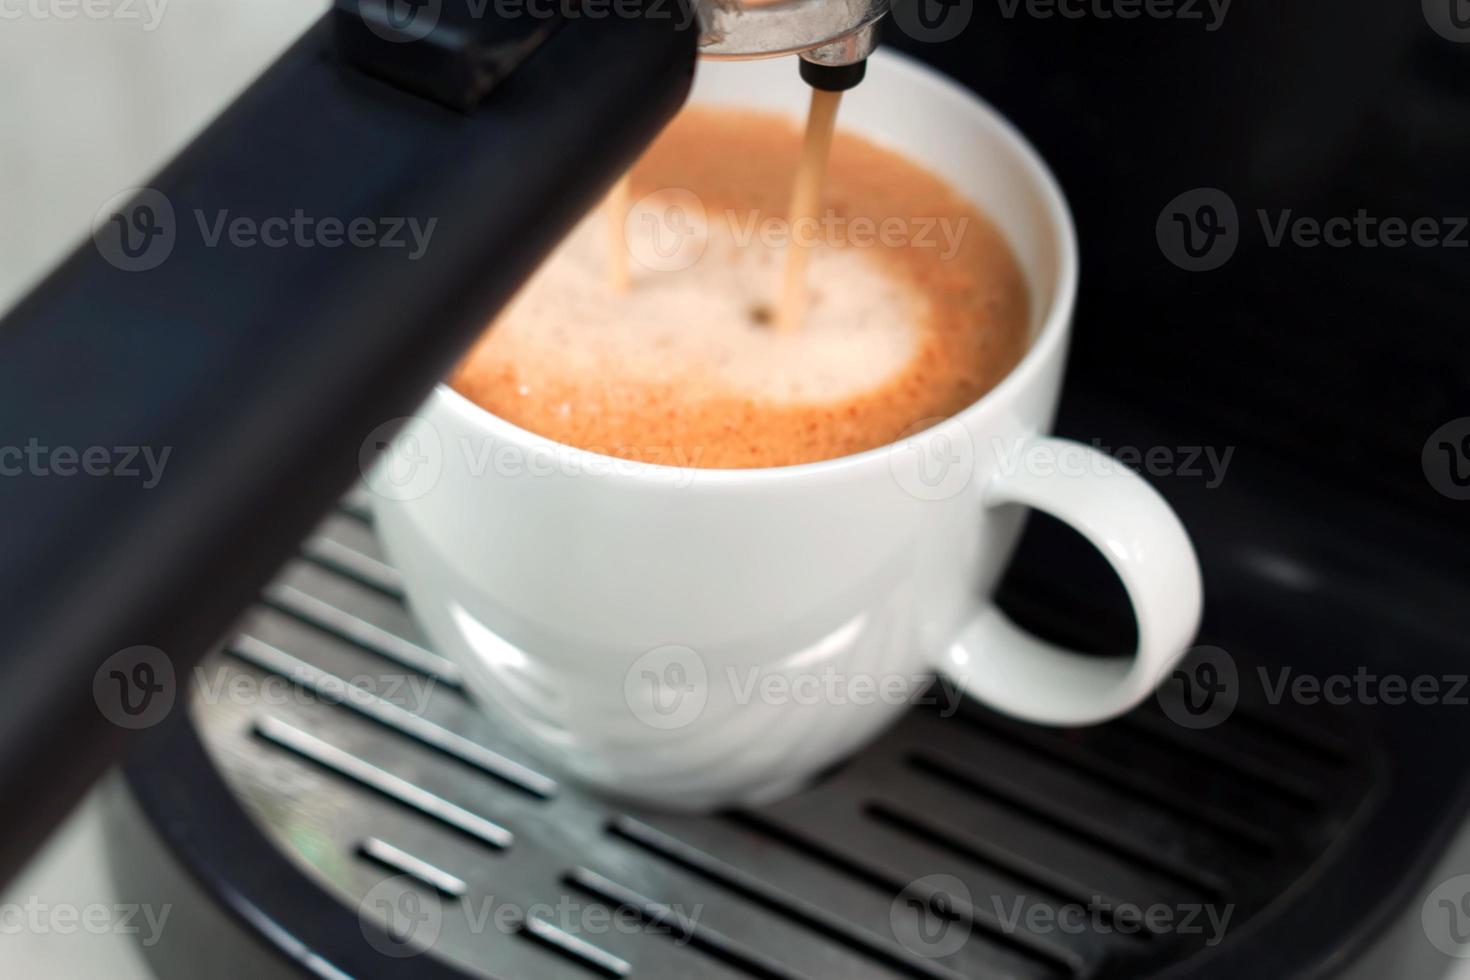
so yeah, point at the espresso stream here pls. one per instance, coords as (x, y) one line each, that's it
(806, 199)
(915, 306)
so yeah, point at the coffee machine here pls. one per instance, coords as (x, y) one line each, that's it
(1332, 829)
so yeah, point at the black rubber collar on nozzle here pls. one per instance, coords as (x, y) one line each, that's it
(833, 78)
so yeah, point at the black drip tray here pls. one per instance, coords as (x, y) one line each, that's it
(959, 846)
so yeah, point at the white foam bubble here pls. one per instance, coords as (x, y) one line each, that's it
(862, 327)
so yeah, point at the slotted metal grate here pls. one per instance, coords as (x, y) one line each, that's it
(961, 846)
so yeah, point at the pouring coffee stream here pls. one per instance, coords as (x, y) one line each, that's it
(828, 82)
(618, 202)
(806, 194)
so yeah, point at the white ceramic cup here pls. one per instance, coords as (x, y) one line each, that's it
(695, 637)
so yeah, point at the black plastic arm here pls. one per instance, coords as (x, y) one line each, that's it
(183, 398)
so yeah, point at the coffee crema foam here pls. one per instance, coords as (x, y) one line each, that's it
(902, 328)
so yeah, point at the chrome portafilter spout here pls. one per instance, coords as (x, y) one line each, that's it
(832, 37)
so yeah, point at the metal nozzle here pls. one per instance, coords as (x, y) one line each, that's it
(823, 32)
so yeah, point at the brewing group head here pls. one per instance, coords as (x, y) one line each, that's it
(827, 34)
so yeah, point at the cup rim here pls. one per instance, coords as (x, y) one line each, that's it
(1043, 348)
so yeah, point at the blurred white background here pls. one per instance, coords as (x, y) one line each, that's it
(90, 106)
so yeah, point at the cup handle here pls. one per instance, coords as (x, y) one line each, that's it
(995, 661)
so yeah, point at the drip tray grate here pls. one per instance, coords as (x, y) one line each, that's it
(961, 846)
